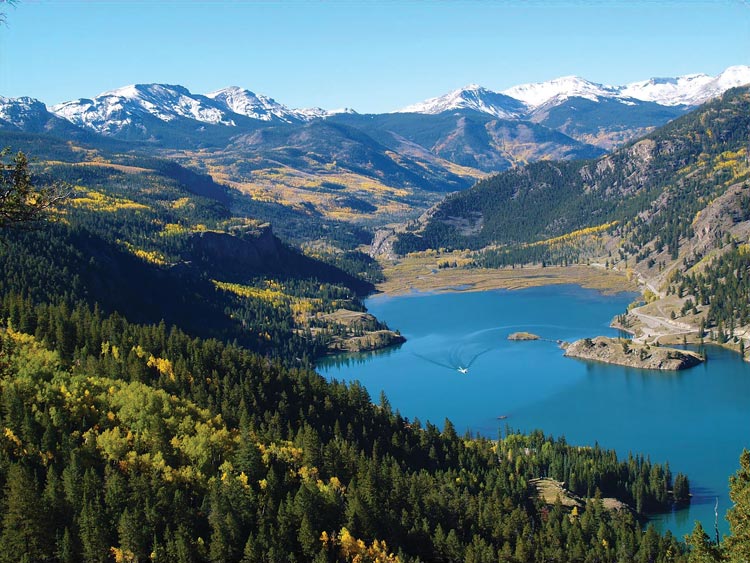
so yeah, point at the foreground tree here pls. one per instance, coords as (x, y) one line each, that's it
(22, 202)
(738, 543)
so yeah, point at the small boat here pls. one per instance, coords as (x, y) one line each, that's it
(463, 370)
(502, 417)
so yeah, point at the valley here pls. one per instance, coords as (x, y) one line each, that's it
(193, 338)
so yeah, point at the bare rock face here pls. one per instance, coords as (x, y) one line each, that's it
(252, 248)
(631, 354)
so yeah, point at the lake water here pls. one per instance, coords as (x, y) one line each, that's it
(697, 419)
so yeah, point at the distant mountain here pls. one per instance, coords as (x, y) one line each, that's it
(472, 97)
(314, 146)
(521, 101)
(31, 116)
(257, 106)
(471, 138)
(115, 110)
(356, 166)
(559, 89)
(689, 90)
(592, 113)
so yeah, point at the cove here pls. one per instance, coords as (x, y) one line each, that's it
(697, 419)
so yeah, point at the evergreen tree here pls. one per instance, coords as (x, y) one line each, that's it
(25, 527)
(702, 549)
(738, 543)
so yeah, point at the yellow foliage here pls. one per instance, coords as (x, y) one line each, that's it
(97, 201)
(301, 307)
(357, 551)
(270, 294)
(577, 234)
(180, 203)
(163, 366)
(151, 256)
(139, 351)
(285, 451)
(11, 437)
(173, 229)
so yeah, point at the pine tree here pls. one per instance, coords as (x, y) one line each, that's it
(702, 550)
(24, 531)
(738, 543)
(94, 543)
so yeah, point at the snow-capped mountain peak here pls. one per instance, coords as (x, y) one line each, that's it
(32, 116)
(19, 111)
(257, 106)
(472, 97)
(689, 90)
(540, 93)
(116, 109)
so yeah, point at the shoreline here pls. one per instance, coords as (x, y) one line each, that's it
(421, 274)
(409, 276)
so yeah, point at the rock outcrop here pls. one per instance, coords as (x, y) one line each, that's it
(631, 354)
(523, 336)
(367, 342)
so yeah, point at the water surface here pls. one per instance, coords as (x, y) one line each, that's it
(697, 420)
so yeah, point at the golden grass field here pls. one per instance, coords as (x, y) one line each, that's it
(420, 272)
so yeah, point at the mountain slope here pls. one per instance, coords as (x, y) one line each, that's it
(546, 200)
(473, 139)
(605, 122)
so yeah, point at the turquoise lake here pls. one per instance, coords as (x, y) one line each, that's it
(697, 420)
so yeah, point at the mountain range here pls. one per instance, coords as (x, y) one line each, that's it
(390, 164)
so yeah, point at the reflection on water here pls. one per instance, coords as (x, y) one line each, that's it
(696, 420)
(355, 358)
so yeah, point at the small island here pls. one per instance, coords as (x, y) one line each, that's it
(523, 336)
(631, 354)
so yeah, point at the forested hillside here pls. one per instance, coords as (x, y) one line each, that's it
(152, 240)
(133, 442)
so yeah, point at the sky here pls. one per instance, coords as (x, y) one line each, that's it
(373, 56)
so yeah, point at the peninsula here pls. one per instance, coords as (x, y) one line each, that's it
(631, 354)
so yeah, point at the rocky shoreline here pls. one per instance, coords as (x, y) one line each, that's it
(631, 354)
(368, 342)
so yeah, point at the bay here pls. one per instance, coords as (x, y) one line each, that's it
(697, 420)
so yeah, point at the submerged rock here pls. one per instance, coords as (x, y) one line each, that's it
(632, 354)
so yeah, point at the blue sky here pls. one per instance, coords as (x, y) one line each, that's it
(372, 56)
